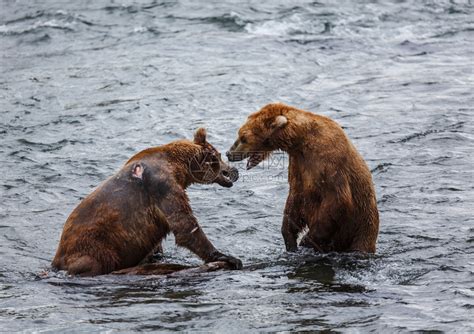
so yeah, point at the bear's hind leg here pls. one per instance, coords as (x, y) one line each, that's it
(363, 245)
(84, 266)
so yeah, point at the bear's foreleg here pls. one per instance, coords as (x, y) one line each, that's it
(292, 223)
(188, 233)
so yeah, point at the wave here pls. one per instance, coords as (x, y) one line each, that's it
(287, 25)
(453, 32)
(58, 20)
(136, 8)
(295, 24)
(229, 21)
(381, 168)
(450, 128)
(15, 31)
(46, 147)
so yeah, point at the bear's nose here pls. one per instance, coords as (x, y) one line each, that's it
(230, 156)
(234, 174)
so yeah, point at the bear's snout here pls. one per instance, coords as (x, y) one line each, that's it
(232, 174)
(235, 156)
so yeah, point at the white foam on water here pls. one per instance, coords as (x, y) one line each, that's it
(294, 24)
(140, 29)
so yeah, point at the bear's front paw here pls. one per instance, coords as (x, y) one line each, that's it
(233, 262)
(291, 246)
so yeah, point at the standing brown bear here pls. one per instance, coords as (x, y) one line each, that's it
(126, 218)
(331, 189)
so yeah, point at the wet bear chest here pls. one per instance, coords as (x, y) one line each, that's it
(308, 179)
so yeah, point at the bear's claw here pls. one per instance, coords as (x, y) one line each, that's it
(233, 262)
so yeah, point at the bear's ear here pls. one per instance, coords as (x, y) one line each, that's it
(137, 171)
(200, 136)
(279, 122)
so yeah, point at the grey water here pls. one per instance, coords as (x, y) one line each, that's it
(86, 84)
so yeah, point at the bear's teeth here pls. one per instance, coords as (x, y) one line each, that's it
(254, 160)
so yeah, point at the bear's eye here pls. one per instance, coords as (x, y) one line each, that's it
(211, 154)
(243, 140)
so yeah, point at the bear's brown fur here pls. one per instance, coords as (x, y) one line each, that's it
(125, 219)
(331, 190)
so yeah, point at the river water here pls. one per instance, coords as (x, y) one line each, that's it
(86, 84)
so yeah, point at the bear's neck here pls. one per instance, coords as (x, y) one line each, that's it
(291, 139)
(180, 155)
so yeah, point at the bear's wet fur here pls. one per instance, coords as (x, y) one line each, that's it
(331, 190)
(125, 219)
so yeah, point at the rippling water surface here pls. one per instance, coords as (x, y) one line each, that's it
(85, 84)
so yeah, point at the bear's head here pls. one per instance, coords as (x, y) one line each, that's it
(260, 135)
(207, 166)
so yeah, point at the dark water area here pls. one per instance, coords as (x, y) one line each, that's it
(86, 84)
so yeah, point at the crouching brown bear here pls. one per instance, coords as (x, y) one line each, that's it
(331, 190)
(126, 218)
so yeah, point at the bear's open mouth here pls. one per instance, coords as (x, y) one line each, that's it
(227, 177)
(254, 159)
